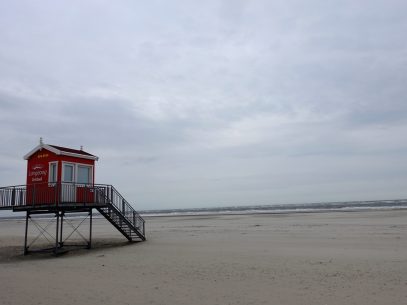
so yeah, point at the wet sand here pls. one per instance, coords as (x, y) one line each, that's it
(316, 258)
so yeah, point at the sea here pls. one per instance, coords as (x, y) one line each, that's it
(319, 207)
(346, 206)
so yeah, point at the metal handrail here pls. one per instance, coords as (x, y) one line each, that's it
(11, 196)
(55, 193)
(64, 194)
(121, 205)
(50, 193)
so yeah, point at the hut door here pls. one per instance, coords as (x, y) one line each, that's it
(84, 193)
(68, 191)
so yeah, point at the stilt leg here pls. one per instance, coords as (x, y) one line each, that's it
(90, 229)
(26, 232)
(61, 243)
(57, 234)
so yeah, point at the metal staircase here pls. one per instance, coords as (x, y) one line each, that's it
(120, 213)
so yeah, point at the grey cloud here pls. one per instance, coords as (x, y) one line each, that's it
(221, 102)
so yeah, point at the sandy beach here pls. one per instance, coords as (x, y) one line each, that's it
(316, 258)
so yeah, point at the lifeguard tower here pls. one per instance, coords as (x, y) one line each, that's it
(61, 181)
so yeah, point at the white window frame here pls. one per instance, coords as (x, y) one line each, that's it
(73, 174)
(52, 183)
(90, 182)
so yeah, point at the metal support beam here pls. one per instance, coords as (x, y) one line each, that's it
(61, 243)
(26, 232)
(56, 234)
(57, 241)
(90, 229)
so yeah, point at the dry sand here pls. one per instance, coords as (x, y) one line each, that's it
(319, 258)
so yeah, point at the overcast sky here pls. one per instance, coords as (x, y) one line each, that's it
(212, 103)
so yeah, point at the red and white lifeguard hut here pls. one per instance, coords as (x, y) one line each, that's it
(61, 181)
(73, 170)
(50, 163)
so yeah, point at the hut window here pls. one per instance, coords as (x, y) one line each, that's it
(52, 172)
(68, 173)
(84, 174)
